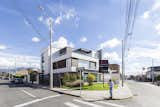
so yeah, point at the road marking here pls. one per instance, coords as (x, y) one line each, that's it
(35, 101)
(111, 104)
(87, 103)
(71, 104)
(29, 93)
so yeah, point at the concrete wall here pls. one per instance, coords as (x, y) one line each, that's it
(69, 54)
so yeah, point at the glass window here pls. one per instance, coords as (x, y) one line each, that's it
(83, 63)
(62, 64)
(55, 65)
(92, 65)
(74, 62)
(59, 64)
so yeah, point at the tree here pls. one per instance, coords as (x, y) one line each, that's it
(33, 75)
(91, 78)
(158, 78)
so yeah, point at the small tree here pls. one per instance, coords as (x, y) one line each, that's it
(91, 78)
(32, 75)
(158, 78)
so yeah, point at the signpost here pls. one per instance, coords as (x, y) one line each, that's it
(80, 69)
(103, 67)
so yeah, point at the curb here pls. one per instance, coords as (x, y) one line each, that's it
(92, 100)
(85, 99)
(64, 93)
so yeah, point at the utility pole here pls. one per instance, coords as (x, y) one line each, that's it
(122, 63)
(152, 71)
(51, 36)
(15, 65)
(51, 68)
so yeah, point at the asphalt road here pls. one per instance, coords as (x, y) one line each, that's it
(146, 95)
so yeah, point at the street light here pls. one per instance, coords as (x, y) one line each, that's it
(51, 36)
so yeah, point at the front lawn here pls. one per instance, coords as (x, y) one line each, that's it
(96, 86)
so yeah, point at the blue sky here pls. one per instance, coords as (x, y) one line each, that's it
(91, 24)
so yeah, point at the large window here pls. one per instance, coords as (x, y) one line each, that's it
(59, 64)
(62, 64)
(83, 63)
(74, 62)
(92, 65)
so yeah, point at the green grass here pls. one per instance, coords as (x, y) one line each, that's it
(97, 86)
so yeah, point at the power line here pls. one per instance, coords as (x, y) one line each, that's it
(29, 21)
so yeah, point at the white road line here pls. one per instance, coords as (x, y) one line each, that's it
(71, 104)
(111, 104)
(29, 93)
(35, 101)
(87, 103)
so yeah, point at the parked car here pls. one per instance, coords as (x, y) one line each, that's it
(6, 78)
(18, 80)
(12, 80)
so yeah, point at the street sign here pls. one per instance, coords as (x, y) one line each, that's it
(103, 66)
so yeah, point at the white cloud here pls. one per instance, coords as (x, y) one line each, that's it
(58, 20)
(71, 13)
(111, 56)
(153, 10)
(110, 43)
(139, 57)
(47, 21)
(40, 18)
(35, 39)
(71, 45)
(26, 22)
(156, 5)
(66, 13)
(62, 42)
(9, 60)
(141, 52)
(157, 27)
(100, 36)
(146, 15)
(83, 39)
(3, 47)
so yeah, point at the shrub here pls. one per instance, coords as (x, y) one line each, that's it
(158, 78)
(74, 84)
(69, 78)
(65, 78)
(90, 78)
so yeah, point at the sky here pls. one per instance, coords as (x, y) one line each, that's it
(91, 24)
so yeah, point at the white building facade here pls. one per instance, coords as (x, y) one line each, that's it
(68, 60)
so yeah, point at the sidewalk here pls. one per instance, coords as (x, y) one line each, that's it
(118, 94)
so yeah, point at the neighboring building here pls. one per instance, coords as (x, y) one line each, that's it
(152, 71)
(113, 72)
(114, 68)
(25, 72)
(67, 60)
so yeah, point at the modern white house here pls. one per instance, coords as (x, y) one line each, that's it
(68, 60)
(152, 72)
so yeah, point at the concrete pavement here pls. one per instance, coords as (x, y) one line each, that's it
(22, 96)
(146, 95)
(118, 94)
